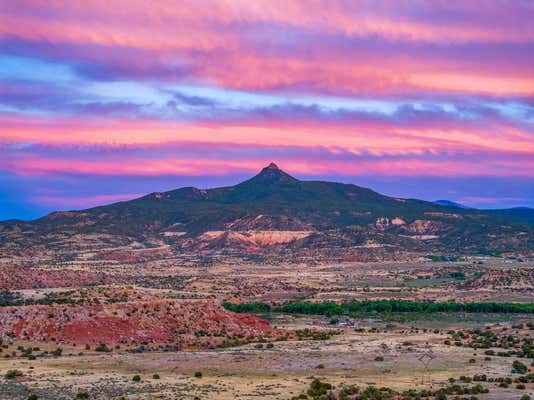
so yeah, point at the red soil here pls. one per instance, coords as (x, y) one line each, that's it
(195, 323)
(27, 278)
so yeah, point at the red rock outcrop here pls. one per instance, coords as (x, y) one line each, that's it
(190, 322)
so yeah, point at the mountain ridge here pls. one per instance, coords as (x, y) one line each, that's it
(333, 215)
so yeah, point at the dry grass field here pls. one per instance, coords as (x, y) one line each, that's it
(249, 372)
(376, 351)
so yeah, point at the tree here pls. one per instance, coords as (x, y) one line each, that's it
(519, 368)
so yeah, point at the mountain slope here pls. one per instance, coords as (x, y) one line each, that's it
(327, 215)
(449, 203)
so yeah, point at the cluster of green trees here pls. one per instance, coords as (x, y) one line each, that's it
(250, 308)
(330, 308)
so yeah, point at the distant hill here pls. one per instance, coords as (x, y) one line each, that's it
(516, 213)
(275, 212)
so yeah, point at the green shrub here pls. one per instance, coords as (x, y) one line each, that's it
(136, 378)
(12, 374)
(318, 388)
(102, 347)
(519, 368)
(57, 352)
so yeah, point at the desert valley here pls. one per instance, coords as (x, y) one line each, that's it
(275, 289)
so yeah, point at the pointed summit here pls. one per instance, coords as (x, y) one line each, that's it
(272, 166)
(271, 174)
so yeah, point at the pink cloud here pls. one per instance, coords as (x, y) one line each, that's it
(305, 166)
(149, 21)
(373, 136)
(62, 201)
(190, 35)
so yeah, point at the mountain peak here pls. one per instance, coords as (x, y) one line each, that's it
(272, 166)
(271, 174)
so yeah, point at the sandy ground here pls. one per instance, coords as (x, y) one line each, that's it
(249, 373)
(287, 369)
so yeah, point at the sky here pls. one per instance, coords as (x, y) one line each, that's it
(105, 101)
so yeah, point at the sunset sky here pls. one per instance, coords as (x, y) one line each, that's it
(102, 101)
